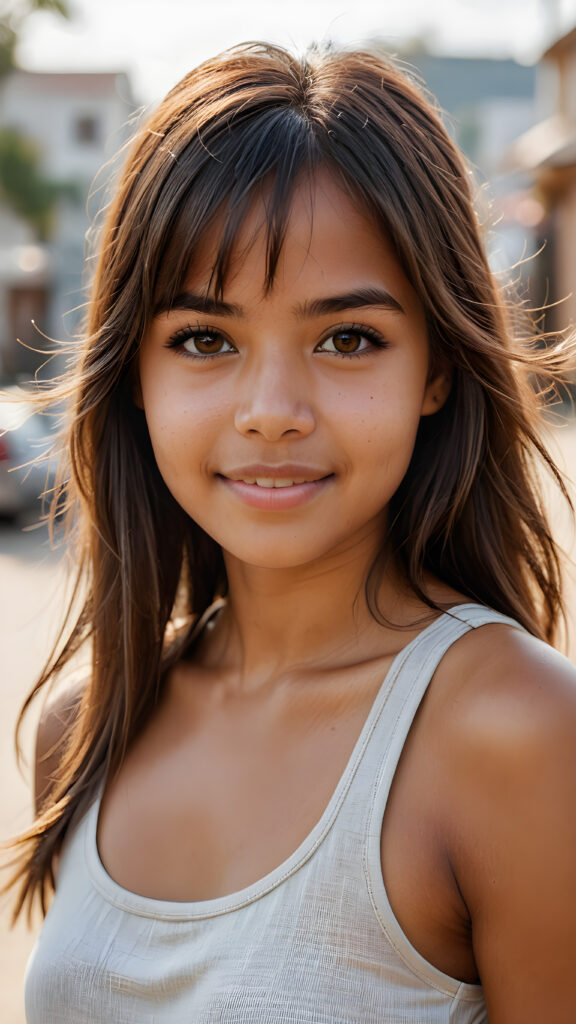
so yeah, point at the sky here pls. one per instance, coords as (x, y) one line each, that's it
(158, 41)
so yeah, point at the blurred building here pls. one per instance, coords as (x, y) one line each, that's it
(547, 153)
(486, 102)
(76, 122)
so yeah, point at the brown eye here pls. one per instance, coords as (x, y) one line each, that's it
(347, 341)
(206, 344)
(200, 343)
(351, 341)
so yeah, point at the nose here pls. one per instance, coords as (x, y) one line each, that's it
(273, 400)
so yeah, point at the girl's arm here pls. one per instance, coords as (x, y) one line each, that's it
(513, 846)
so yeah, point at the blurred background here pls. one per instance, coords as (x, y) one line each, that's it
(75, 77)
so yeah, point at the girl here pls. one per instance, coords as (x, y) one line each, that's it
(324, 767)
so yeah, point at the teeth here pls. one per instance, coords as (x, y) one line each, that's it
(269, 481)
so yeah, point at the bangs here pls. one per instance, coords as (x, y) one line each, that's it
(254, 125)
(217, 181)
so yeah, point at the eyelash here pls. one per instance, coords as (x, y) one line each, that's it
(376, 339)
(183, 334)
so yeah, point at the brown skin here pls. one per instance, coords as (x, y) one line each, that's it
(486, 791)
(479, 837)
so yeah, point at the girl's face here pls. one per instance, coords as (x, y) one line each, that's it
(283, 423)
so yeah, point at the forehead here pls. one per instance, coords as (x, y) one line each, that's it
(328, 239)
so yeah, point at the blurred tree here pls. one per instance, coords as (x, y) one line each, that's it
(23, 187)
(13, 14)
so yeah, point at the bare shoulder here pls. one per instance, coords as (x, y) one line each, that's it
(508, 714)
(507, 687)
(508, 740)
(56, 719)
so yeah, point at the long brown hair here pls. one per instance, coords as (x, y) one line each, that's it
(468, 509)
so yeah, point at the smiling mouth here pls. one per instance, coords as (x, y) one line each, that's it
(275, 493)
(269, 481)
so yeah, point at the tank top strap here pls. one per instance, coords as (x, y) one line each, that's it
(396, 705)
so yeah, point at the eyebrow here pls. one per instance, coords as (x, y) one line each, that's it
(356, 299)
(202, 304)
(361, 297)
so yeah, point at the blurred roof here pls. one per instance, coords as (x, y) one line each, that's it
(459, 82)
(565, 42)
(549, 144)
(96, 83)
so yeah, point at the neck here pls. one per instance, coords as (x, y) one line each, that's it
(314, 617)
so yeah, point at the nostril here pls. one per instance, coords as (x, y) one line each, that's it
(275, 423)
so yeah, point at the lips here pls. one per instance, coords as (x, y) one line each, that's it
(275, 487)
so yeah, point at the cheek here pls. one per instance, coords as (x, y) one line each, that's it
(169, 426)
(381, 438)
(383, 418)
(179, 419)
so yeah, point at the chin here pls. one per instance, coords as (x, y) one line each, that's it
(275, 556)
(273, 561)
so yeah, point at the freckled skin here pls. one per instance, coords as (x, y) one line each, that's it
(277, 399)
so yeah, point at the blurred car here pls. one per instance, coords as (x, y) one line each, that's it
(25, 470)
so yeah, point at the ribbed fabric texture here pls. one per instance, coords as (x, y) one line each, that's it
(314, 942)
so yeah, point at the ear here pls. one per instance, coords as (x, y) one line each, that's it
(437, 390)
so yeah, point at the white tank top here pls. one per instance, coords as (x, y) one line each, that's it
(314, 942)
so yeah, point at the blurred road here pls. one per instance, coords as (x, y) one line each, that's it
(30, 609)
